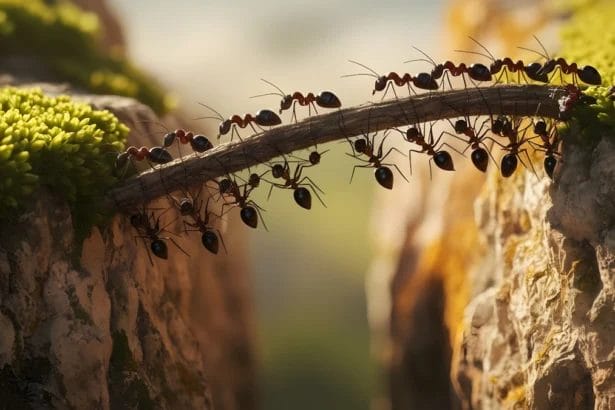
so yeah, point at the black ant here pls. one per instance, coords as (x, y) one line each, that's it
(549, 141)
(587, 74)
(149, 228)
(325, 99)
(301, 194)
(423, 81)
(157, 155)
(263, 118)
(199, 143)
(250, 211)
(191, 207)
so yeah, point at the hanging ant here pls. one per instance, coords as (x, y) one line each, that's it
(480, 155)
(148, 227)
(199, 143)
(301, 194)
(549, 141)
(250, 211)
(191, 207)
(587, 74)
(423, 81)
(510, 130)
(430, 147)
(325, 99)
(263, 118)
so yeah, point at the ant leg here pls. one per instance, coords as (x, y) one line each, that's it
(446, 144)
(529, 160)
(310, 182)
(258, 211)
(309, 185)
(398, 170)
(177, 245)
(389, 151)
(354, 168)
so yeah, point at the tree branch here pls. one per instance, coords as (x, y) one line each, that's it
(518, 100)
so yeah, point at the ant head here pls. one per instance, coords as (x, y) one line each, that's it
(225, 186)
(185, 206)
(254, 180)
(159, 248)
(461, 126)
(360, 145)
(132, 150)
(380, 84)
(267, 118)
(277, 170)
(225, 127)
(327, 99)
(138, 220)
(540, 128)
(413, 134)
(286, 103)
(314, 157)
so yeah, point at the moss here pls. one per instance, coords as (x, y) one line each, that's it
(65, 37)
(64, 145)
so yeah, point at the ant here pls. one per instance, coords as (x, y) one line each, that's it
(157, 155)
(477, 72)
(250, 211)
(510, 129)
(199, 143)
(263, 118)
(423, 80)
(191, 207)
(480, 155)
(325, 99)
(548, 145)
(587, 74)
(533, 71)
(430, 147)
(301, 194)
(148, 227)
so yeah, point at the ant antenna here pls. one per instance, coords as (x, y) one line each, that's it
(375, 74)
(475, 53)
(546, 53)
(219, 117)
(429, 59)
(482, 46)
(281, 93)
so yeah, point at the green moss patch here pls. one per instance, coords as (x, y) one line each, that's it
(53, 141)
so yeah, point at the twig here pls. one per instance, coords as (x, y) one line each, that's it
(519, 100)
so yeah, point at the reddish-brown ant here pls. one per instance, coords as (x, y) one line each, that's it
(296, 182)
(587, 74)
(430, 147)
(199, 143)
(480, 153)
(423, 80)
(149, 228)
(157, 155)
(325, 99)
(263, 118)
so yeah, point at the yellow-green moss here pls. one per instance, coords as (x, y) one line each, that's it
(54, 141)
(65, 38)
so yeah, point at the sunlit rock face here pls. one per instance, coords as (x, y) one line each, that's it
(542, 334)
(106, 324)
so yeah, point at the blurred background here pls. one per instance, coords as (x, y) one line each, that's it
(308, 271)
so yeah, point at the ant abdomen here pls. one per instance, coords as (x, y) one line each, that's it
(159, 248)
(590, 75)
(444, 161)
(384, 176)
(249, 216)
(480, 158)
(549, 164)
(479, 72)
(159, 155)
(508, 165)
(303, 198)
(327, 99)
(267, 118)
(209, 239)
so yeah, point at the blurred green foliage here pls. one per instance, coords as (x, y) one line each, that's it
(65, 37)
